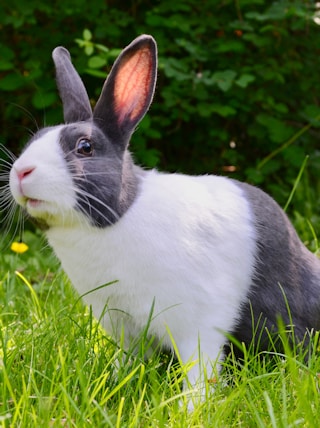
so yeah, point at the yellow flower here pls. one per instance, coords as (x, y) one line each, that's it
(19, 247)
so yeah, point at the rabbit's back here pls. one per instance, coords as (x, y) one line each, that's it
(286, 279)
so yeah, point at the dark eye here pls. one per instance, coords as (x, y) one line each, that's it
(84, 147)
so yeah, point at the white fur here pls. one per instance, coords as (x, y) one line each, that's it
(187, 245)
(50, 183)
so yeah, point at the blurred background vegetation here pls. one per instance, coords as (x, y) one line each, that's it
(238, 88)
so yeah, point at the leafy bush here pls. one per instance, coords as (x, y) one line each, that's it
(237, 80)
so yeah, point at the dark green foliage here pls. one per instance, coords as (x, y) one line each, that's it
(237, 80)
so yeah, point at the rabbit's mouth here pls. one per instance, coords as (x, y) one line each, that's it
(34, 203)
(46, 214)
(35, 207)
(37, 211)
(40, 212)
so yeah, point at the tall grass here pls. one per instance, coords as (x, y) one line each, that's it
(59, 369)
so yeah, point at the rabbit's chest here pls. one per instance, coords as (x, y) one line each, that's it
(124, 280)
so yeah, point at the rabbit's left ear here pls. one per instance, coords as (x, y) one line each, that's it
(128, 91)
(75, 100)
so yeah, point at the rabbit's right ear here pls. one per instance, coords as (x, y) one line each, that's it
(128, 90)
(75, 100)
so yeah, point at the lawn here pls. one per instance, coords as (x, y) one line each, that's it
(59, 369)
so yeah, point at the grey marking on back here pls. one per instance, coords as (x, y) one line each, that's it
(281, 259)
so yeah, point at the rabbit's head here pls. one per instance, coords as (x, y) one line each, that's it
(83, 168)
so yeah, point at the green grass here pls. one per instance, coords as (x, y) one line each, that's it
(59, 369)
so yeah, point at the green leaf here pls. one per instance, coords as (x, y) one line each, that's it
(89, 50)
(87, 35)
(12, 82)
(175, 68)
(294, 155)
(224, 79)
(6, 58)
(278, 131)
(97, 62)
(6, 65)
(41, 100)
(256, 16)
(254, 175)
(280, 107)
(231, 46)
(271, 167)
(244, 80)
(223, 111)
(96, 73)
(311, 112)
(114, 53)
(102, 47)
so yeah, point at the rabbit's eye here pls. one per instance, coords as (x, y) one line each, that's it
(84, 147)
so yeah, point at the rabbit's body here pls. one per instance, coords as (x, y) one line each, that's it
(197, 257)
(160, 258)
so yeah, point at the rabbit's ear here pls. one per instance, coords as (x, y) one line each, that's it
(128, 91)
(75, 100)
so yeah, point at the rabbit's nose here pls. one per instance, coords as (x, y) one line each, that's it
(24, 172)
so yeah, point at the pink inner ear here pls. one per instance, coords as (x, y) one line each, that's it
(132, 86)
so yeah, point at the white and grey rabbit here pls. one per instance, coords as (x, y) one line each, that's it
(210, 255)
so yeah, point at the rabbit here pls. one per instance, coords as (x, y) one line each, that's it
(198, 258)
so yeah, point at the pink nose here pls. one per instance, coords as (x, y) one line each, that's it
(23, 173)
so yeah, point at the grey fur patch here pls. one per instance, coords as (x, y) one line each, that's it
(106, 183)
(286, 275)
